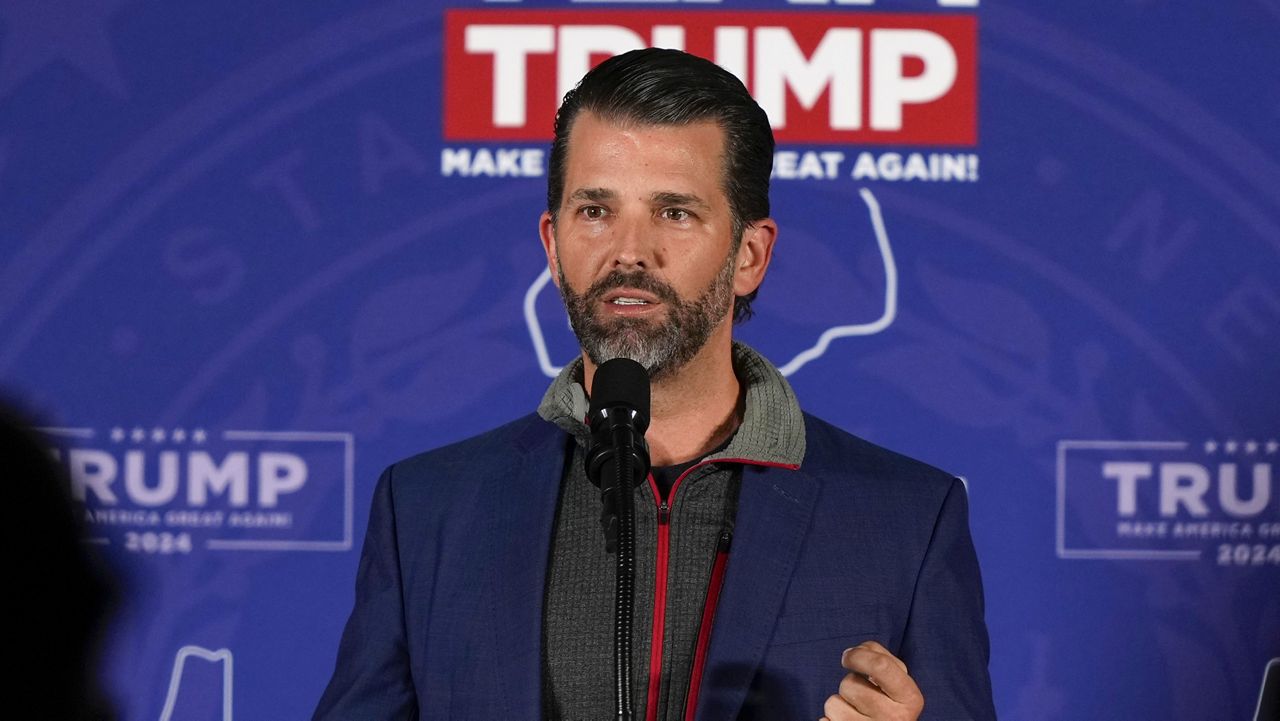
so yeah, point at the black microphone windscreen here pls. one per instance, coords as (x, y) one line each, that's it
(620, 381)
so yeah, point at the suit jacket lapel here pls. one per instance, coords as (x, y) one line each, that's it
(774, 510)
(519, 542)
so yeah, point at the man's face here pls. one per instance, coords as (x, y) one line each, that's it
(642, 248)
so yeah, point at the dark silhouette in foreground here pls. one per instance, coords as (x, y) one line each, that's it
(59, 597)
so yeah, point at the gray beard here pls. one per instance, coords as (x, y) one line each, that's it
(662, 346)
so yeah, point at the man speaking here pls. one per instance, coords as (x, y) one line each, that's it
(784, 569)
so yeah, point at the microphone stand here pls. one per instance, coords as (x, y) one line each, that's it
(617, 496)
(620, 468)
(617, 460)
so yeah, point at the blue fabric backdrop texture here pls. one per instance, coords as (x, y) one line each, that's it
(251, 253)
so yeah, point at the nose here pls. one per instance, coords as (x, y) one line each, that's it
(632, 245)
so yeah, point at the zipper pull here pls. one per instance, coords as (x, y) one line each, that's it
(664, 513)
(725, 540)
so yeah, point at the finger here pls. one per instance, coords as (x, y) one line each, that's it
(838, 709)
(872, 653)
(866, 697)
(875, 646)
(886, 672)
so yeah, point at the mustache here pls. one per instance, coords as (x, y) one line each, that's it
(638, 280)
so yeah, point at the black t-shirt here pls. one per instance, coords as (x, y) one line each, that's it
(664, 477)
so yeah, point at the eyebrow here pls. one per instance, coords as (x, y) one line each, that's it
(668, 198)
(597, 195)
(594, 195)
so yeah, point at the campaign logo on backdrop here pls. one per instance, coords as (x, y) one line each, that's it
(849, 78)
(178, 490)
(1173, 500)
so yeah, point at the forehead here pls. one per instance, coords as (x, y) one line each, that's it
(629, 153)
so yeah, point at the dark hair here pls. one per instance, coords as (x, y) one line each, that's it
(669, 87)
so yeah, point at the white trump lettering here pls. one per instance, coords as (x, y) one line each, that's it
(92, 469)
(279, 473)
(579, 42)
(135, 480)
(1229, 495)
(835, 67)
(1126, 476)
(157, 480)
(890, 89)
(510, 46)
(1186, 488)
(1183, 484)
(205, 476)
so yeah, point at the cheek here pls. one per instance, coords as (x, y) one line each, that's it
(578, 260)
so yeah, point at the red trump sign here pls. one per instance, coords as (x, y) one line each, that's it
(822, 77)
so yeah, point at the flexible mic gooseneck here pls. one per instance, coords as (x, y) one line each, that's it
(617, 460)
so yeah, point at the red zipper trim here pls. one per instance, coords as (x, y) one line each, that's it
(659, 600)
(704, 628)
(749, 462)
(660, 584)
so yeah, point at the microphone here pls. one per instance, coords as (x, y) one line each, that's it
(617, 458)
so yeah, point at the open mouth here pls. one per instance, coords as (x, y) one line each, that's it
(630, 299)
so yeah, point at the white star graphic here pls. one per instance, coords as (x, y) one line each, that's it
(1273, 446)
(1210, 446)
(117, 434)
(179, 435)
(1251, 447)
(138, 435)
(1231, 446)
(198, 435)
(42, 32)
(157, 435)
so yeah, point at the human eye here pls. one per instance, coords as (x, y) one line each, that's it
(679, 215)
(592, 212)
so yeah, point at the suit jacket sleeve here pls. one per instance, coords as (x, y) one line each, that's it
(372, 680)
(945, 643)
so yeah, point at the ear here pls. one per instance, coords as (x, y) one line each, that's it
(547, 232)
(754, 253)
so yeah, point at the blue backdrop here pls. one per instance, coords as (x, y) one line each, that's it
(244, 265)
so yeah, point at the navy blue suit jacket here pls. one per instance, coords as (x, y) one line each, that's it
(859, 543)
